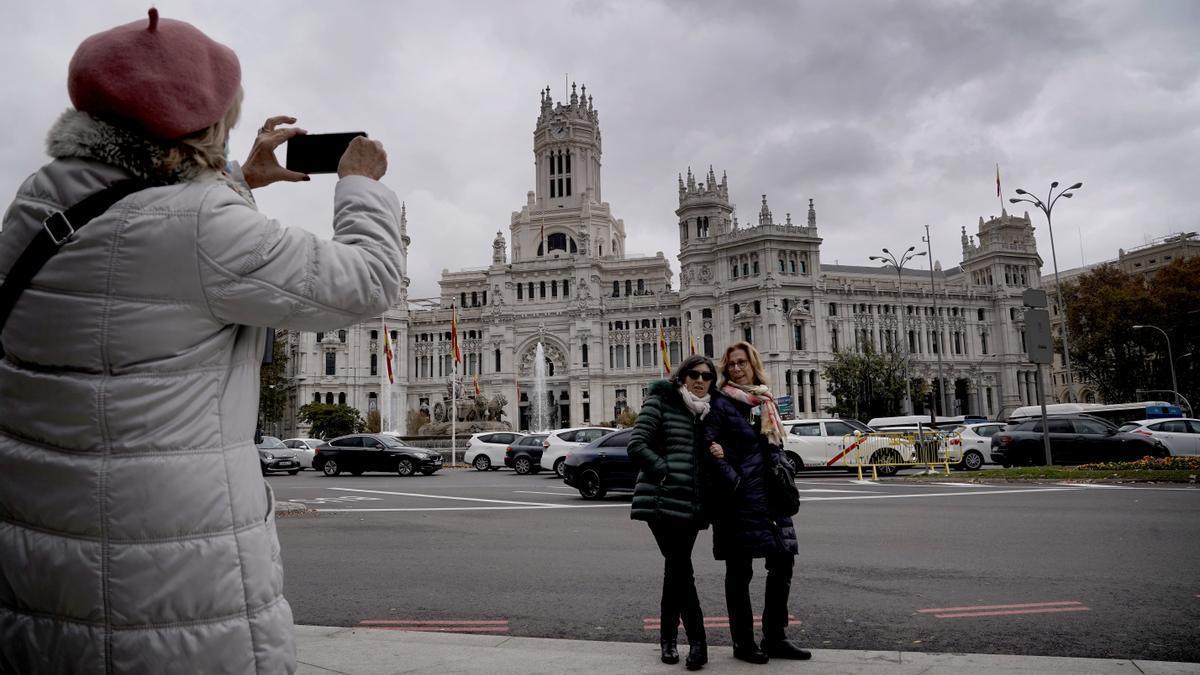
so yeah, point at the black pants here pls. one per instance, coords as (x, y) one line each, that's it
(738, 573)
(679, 598)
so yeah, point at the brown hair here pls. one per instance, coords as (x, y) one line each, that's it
(756, 365)
(205, 148)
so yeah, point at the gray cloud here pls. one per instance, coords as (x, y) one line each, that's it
(891, 115)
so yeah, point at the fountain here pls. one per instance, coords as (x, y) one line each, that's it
(538, 420)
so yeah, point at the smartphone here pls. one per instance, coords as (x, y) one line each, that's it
(318, 153)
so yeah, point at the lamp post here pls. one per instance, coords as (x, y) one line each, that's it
(1046, 207)
(1170, 358)
(937, 321)
(898, 264)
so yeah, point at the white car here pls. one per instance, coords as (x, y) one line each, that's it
(1181, 435)
(305, 449)
(486, 451)
(975, 441)
(558, 443)
(818, 443)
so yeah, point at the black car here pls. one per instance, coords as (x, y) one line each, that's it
(525, 456)
(274, 456)
(358, 453)
(1074, 439)
(600, 466)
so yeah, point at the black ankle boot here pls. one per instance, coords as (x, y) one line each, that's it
(750, 653)
(785, 649)
(670, 652)
(697, 655)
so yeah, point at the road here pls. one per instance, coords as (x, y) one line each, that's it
(1008, 568)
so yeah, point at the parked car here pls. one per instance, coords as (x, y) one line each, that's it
(304, 448)
(486, 451)
(1074, 439)
(358, 453)
(600, 466)
(274, 456)
(525, 455)
(558, 443)
(818, 443)
(976, 443)
(1181, 435)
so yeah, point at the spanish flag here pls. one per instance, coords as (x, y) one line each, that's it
(662, 347)
(454, 334)
(691, 345)
(387, 353)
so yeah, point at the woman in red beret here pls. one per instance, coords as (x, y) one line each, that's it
(138, 534)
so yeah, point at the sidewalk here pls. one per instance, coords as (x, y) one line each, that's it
(323, 650)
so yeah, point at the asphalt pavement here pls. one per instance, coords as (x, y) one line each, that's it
(933, 568)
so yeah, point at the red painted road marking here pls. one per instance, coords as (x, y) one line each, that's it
(1007, 610)
(986, 607)
(1046, 610)
(448, 622)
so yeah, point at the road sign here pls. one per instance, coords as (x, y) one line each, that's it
(1033, 297)
(1038, 344)
(784, 403)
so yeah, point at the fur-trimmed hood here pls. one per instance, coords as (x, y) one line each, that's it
(79, 135)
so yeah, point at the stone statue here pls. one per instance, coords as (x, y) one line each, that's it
(496, 408)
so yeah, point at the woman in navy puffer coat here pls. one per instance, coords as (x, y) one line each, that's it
(745, 437)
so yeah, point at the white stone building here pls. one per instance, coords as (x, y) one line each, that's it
(561, 276)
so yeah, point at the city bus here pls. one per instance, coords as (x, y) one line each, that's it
(1117, 413)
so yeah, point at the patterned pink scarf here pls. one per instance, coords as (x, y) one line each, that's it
(759, 395)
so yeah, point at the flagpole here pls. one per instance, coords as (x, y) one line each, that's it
(454, 414)
(386, 397)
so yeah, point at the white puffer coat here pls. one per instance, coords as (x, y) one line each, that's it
(136, 531)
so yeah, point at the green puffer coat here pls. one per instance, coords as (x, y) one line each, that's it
(665, 448)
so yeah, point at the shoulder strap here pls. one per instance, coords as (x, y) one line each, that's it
(57, 229)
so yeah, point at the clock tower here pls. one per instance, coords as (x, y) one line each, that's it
(566, 149)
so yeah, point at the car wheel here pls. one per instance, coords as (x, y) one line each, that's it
(793, 459)
(405, 467)
(331, 468)
(293, 473)
(888, 458)
(972, 460)
(590, 485)
(522, 466)
(482, 463)
(558, 467)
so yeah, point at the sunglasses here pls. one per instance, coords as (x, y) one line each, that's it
(700, 375)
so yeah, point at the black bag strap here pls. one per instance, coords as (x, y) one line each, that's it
(57, 229)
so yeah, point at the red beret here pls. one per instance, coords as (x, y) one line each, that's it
(165, 77)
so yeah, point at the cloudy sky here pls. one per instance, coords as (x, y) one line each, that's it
(891, 115)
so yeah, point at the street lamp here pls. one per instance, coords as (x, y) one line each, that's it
(1170, 358)
(1046, 207)
(937, 322)
(898, 264)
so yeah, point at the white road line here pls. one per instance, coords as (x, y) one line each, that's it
(465, 499)
(853, 492)
(480, 508)
(534, 492)
(1124, 487)
(939, 494)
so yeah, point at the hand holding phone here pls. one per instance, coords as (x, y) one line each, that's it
(318, 153)
(364, 157)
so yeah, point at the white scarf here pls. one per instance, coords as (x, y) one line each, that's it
(697, 404)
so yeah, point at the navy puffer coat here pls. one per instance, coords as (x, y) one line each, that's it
(742, 526)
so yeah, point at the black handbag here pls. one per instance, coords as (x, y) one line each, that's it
(783, 497)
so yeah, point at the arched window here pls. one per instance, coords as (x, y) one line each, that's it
(330, 363)
(708, 345)
(329, 398)
(374, 364)
(342, 398)
(316, 397)
(497, 355)
(556, 241)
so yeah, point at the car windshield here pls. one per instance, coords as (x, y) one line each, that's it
(272, 443)
(858, 425)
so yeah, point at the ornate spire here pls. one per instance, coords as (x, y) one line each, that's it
(691, 181)
(789, 218)
(764, 213)
(574, 96)
(812, 214)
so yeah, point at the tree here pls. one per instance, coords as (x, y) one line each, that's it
(865, 384)
(332, 420)
(272, 387)
(626, 419)
(374, 422)
(1127, 364)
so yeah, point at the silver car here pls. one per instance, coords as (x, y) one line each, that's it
(1181, 435)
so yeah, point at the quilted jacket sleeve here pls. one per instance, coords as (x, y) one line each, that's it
(646, 434)
(256, 272)
(715, 424)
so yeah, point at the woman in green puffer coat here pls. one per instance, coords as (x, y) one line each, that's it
(665, 447)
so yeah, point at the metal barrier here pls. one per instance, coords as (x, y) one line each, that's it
(889, 451)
